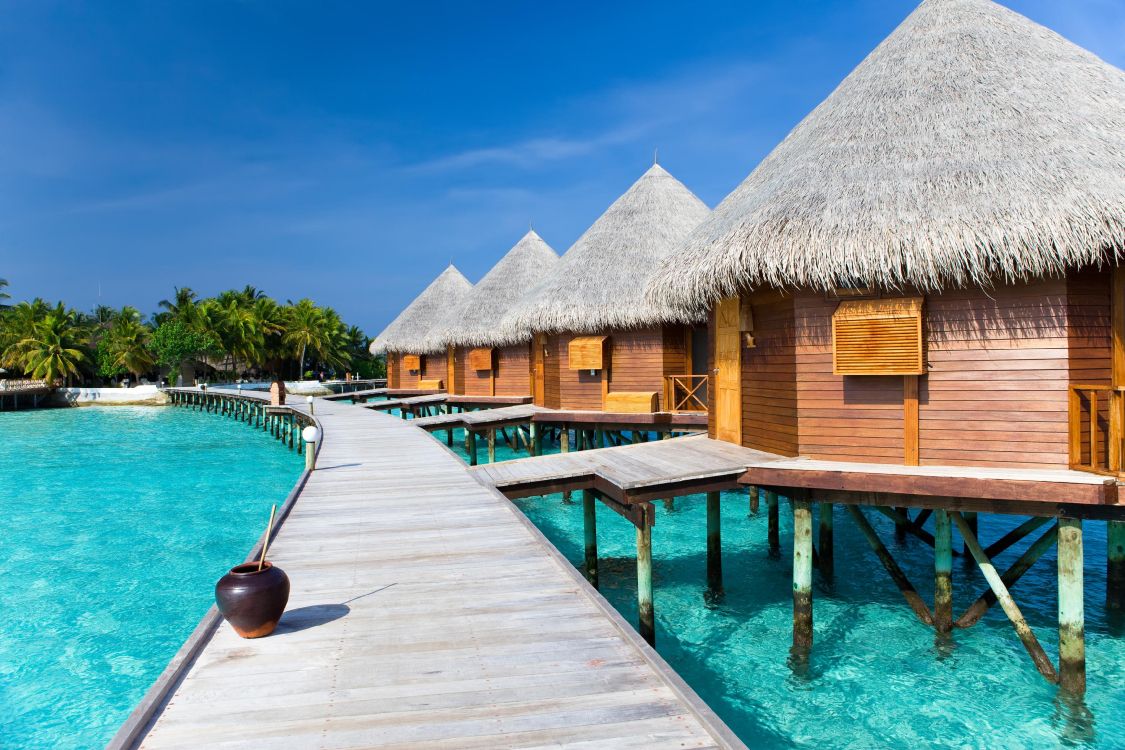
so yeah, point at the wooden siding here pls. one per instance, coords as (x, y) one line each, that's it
(769, 378)
(552, 387)
(513, 370)
(460, 375)
(392, 369)
(844, 418)
(576, 389)
(406, 378)
(638, 361)
(1000, 366)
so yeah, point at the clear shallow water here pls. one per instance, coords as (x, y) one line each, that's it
(97, 504)
(877, 677)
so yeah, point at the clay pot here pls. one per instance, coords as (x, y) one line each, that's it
(253, 600)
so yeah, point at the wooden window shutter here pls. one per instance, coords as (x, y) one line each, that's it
(480, 359)
(587, 353)
(411, 362)
(878, 337)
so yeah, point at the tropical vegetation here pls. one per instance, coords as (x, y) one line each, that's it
(240, 333)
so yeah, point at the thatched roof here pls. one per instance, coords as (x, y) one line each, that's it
(971, 146)
(599, 283)
(475, 323)
(407, 333)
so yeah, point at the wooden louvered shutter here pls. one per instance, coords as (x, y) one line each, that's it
(411, 362)
(587, 353)
(480, 359)
(878, 337)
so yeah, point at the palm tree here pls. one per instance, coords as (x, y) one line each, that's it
(181, 307)
(128, 342)
(19, 324)
(304, 329)
(54, 350)
(3, 295)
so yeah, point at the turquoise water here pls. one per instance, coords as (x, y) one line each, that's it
(117, 521)
(877, 677)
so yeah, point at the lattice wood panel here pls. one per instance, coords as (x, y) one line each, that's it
(878, 337)
(480, 359)
(588, 353)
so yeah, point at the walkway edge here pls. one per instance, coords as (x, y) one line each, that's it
(704, 713)
(145, 713)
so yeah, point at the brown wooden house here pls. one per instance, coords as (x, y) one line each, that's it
(916, 275)
(480, 361)
(412, 363)
(597, 343)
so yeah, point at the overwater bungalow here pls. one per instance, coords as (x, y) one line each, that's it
(597, 343)
(480, 361)
(918, 293)
(413, 363)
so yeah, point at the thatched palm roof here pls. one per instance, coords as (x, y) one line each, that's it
(407, 333)
(971, 146)
(521, 268)
(599, 283)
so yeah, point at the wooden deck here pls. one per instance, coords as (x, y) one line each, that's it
(368, 393)
(407, 403)
(694, 464)
(630, 473)
(426, 612)
(477, 421)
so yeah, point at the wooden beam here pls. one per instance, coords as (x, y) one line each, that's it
(1011, 609)
(908, 591)
(1010, 577)
(910, 419)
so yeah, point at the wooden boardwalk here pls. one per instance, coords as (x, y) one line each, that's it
(426, 612)
(480, 420)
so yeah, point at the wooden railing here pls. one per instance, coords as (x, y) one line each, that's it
(1095, 427)
(17, 386)
(686, 393)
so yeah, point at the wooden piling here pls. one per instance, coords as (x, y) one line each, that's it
(1115, 566)
(590, 529)
(714, 544)
(1022, 564)
(564, 447)
(645, 610)
(491, 446)
(825, 548)
(1072, 618)
(904, 585)
(943, 572)
(1007, 603)
(974, 525)
(471, 443)
(773, 533)
(802, 577)
(753, 499)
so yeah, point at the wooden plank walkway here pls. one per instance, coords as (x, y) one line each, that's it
(399, 403)
(480, 420)
(629, 473)
(687, 465)
(427, 612)
(356, 394)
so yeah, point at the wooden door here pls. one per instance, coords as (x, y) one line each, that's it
(539, 370)
(728, 372)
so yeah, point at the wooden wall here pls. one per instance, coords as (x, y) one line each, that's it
(552, 387)
(461, 374)
(769, 386)
(639, 359)
(392, 361)
(512, 372)
(1000, 362)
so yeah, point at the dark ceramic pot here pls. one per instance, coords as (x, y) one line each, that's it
(253, 600)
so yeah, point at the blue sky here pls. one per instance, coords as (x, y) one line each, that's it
(348, 151)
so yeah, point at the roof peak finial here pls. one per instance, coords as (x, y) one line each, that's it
(655, 156)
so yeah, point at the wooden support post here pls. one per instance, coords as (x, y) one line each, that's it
(802, 577)
(535, 446)
(449, 437)
(773, 534)
(974, 525)
(471, 441)
(645, 609)
(564, 447)
(910, 420)
(902, 523)
(753, 499)
(900, 579)
(943, 572)
(826, 556)
(714, 545)
(590, 529)
(1011, 609)
(599, 438)
(1072, 618)
(1115, 566)
(491, 446)
(1022, 564)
